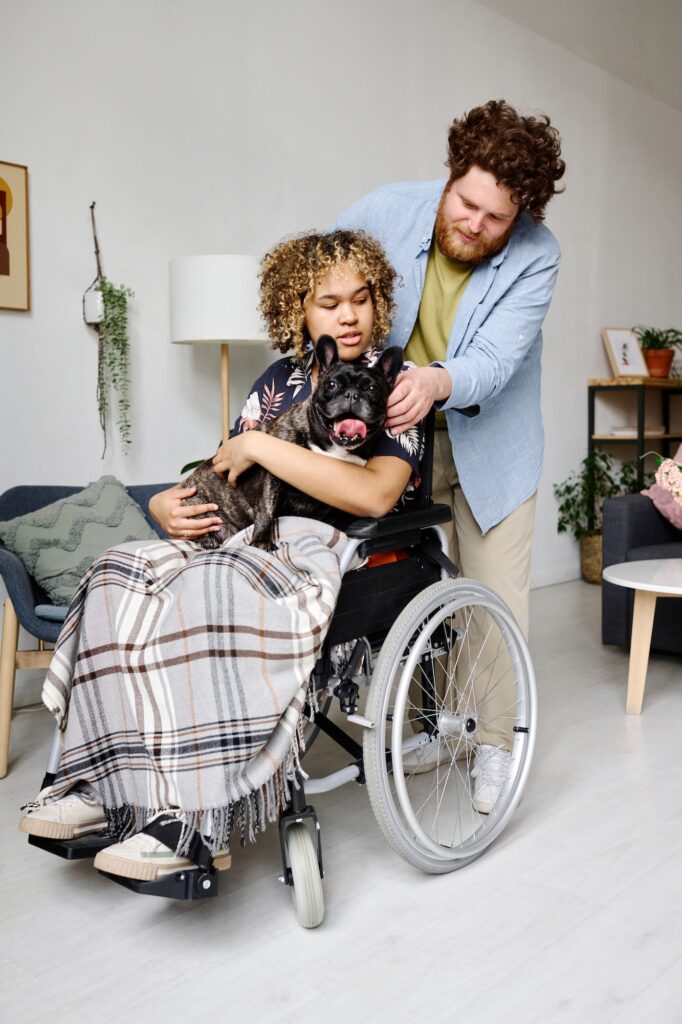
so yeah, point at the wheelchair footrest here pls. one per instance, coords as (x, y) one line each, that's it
(73, 849)
(188, 884)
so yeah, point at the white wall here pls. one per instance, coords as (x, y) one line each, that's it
(638, 42)
(218, 126)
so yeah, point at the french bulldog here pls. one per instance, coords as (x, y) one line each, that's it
(343, 418)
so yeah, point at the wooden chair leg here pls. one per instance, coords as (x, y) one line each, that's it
(8, 661)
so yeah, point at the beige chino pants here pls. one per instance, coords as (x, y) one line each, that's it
(500, 559)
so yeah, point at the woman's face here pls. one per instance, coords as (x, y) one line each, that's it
(341, 306)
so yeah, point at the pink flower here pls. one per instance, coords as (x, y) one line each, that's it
(669, 477)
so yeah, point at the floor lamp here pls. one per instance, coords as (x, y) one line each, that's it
(214, 300)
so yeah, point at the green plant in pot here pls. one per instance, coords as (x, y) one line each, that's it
(658, 348)
(581, 497)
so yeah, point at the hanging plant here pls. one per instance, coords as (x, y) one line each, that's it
(105, 308)
(113, 358)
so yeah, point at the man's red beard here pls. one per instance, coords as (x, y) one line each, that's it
(452, 245)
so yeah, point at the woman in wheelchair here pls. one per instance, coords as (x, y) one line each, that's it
(147, 749)
(180, 676)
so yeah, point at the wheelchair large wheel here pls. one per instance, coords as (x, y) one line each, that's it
(454, 672)
(305, 874)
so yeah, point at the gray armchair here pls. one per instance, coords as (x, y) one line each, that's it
(27, 604)
(634, 530)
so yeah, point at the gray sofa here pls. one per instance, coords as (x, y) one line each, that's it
(634, 530)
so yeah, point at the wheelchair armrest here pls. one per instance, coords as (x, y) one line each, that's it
(402, 522)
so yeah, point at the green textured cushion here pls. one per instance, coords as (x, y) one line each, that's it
(58, 542)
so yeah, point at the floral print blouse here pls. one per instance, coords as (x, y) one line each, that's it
(287, 381)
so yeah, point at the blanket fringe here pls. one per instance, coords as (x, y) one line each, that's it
(247, 816)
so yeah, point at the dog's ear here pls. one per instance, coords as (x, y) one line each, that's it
(326, 352)
(390, 362)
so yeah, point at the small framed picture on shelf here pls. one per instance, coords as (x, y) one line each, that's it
(623, 351)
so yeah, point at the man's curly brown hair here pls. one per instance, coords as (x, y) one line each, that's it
(522, 153)
(290, 271)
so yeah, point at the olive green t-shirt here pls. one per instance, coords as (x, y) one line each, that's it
(444, 286)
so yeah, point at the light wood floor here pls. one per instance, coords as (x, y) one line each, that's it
(575, 914)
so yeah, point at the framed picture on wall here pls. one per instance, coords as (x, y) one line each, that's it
(623, 351)
(15, 288)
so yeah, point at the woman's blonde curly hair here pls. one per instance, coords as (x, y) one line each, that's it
(290, 271)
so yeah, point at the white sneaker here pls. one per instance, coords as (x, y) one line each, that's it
(490, 772)
(145, 858)
(69, 817)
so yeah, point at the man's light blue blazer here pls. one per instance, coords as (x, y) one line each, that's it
(493, 355)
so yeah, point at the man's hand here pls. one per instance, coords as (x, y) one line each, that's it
(235, 455)
(177, 519)
(414, 393)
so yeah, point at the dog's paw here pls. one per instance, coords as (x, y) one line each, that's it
(209, 542)
(264, 544)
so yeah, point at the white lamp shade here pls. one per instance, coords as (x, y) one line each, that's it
(214, 299)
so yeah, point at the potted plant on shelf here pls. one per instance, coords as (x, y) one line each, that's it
(581, 497)
(658, 348)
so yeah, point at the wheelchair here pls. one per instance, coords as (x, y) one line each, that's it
(422, 682)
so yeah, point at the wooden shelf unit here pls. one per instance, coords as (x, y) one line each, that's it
(639, 385)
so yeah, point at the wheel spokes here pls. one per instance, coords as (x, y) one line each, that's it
(453, 676)
(463, 679)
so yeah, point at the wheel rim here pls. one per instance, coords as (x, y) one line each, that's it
(434, 808)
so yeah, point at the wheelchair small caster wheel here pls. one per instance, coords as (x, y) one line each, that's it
(305, 873)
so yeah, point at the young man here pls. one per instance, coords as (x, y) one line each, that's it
(478, 271)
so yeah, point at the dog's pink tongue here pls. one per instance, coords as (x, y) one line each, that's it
(350, 428)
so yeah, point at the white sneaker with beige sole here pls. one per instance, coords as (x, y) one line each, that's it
(145, 858)
(69, 817)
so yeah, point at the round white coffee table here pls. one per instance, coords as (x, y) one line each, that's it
(652, 578)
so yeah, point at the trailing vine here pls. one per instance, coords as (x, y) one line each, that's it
(113, 364)
(113, 350)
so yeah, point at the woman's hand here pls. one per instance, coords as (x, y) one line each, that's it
(414, 393)
(237, 455)
(179, 520)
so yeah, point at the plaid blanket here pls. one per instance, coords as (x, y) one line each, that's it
(180, 675)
